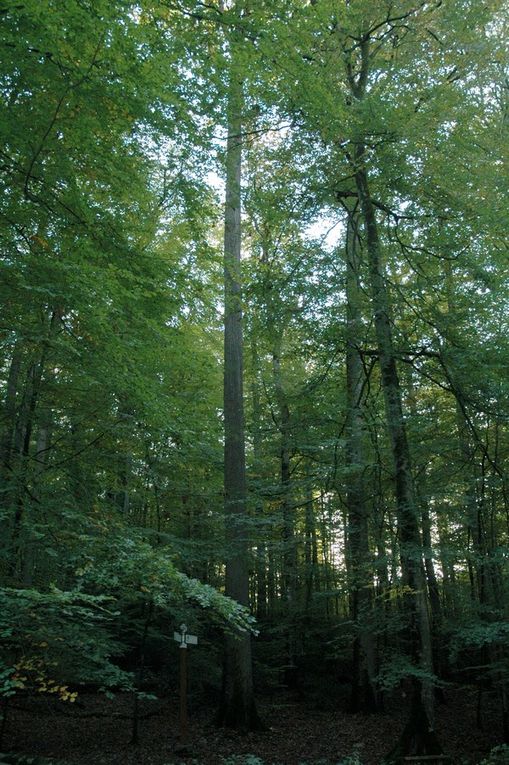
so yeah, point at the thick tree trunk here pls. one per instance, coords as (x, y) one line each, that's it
(237, 707)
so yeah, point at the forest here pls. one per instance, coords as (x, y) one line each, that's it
(254, 382)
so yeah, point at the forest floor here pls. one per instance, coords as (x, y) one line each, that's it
(96, 731)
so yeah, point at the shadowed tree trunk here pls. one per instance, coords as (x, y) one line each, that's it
(418, 736)
(289, 552)
(18, 451)
(261, 545)
(9, 419)
(311, 581)
(9, 408)
(359, 560)
(288, 578)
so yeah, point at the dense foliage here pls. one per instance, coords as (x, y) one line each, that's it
(374, 279)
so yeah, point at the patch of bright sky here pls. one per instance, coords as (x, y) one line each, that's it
(216, 183)
(326, 229)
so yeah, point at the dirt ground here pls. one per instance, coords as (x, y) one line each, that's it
(96, 731)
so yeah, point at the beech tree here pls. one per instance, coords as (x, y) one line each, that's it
(237, 705)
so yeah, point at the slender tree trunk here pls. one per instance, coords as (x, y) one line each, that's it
(289, 551)
(261, 546)
(7, 473)
(419, 736)
(364, 691)
(31, 545)
(423, 503)
(271, 583)
(289, 572)
(147, 612)
(16, 487)
(289, 556)
(9, 409)
(481, 581)
(446, 564)
(310, 546)
(433, 590)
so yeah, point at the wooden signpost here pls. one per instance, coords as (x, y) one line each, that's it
(184, 639)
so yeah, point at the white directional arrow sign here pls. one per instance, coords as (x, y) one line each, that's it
(185, 639)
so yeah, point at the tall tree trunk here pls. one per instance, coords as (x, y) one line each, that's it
(17, 484)
(289, 550)
(311, 580)
(7, 473)
(289, 572)
(237, 708)
(261, 545)
(31, 543)
(360, 573)
(484, 572)
(419, 736)
(9, 408)
(423, 504)
(446, 564)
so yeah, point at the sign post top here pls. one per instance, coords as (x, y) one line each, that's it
(184, 638)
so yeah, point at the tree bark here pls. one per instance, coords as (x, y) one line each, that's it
(311, 580)
(9, 409)
(237, 708)
(289, 563)
(19, 451)
(359, 559)
(261, 545)
(419, 736)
